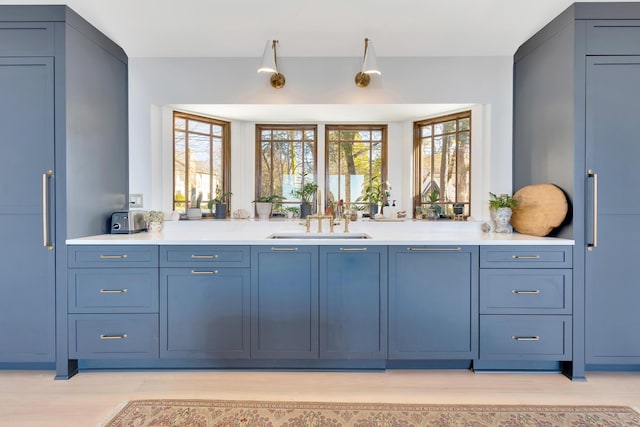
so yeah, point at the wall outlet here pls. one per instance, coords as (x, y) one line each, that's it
(135, 201)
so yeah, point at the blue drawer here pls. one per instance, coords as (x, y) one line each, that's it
(117, 290)
(526, 291)
(524, 337)
(113, 256)
(205, 256)
(113, 336)
(526, 257)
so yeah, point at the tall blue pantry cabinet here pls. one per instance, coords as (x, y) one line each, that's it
(576, 92)
(63, 168)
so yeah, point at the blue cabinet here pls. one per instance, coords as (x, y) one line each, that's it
(433, 302)
(27, 287)
(63, 114)
(205, 302)
(611, 278)
(112, 300)
(526, 306)
(586, 65)
(353, 302)
(284, 302)
(204, 313)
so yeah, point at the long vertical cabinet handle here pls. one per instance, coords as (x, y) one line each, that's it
(46, 242)
(592, 174)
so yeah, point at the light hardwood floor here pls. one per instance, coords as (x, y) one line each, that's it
(33, 398)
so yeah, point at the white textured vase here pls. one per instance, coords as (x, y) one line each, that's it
(263, 209)
(502, 217)
(154, 227)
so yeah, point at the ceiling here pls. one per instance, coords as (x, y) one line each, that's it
(318, 28)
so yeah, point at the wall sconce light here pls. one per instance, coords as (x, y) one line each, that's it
(369, 65)
(270, 65)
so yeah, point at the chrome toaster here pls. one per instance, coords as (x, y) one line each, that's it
(127, 222)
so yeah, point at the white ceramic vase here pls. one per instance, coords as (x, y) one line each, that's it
(154, 227)
(502, 217)
(263, 209)
(194, 213)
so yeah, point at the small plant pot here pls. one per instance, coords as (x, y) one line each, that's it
(221, 211)
(263, 209)
(305, 210)
(502, 217)
(154, 227)
(194, 213)
(373, 210)
(432, 214)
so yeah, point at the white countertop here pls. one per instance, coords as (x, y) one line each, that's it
(255, 232)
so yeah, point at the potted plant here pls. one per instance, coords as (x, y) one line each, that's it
(292, 211)
(501, 208)
(373, 194)
(194, 211)
(434, 210)
(264, 204)
(305, 194)
(221, 200)
(154, 220)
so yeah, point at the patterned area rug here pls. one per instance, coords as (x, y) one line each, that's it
(222, 413)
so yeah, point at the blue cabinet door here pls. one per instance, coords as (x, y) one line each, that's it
(433, 302)
(284, 302)
(612, 292)
(204, 313)
(27, 286)
(353, 302)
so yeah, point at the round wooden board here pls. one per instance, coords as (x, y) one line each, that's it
(541, 208)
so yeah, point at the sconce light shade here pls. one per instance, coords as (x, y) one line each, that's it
(369, 65)
(270, 64)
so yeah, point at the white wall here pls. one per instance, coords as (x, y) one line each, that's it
(155, 82)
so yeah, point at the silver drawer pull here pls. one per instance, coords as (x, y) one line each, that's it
(353, 249)
(284, 249)
(113, 337)
(525, 256)
(515, 291)
(113, 291)
(536, 338)
(204, 272)
(113, 256)
(204, 256)
(433, 249)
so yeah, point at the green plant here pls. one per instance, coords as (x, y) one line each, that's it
(501, 201)
(220, 197)
(305, 194)
(153, 216)
(433, 198)
(373, 191)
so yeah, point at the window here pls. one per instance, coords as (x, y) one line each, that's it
(201, 159)
(355, 159)
(285, 161)
(442, 152)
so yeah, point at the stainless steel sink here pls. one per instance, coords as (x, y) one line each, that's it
(323, 236)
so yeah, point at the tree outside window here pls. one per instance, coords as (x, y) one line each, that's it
(442, 154)
(355, 159)
(200, 159)
(285, 161)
